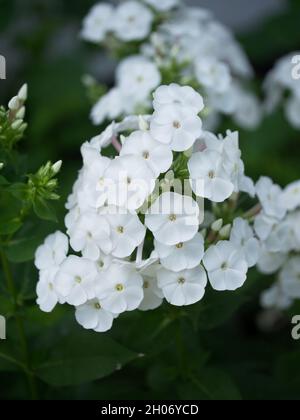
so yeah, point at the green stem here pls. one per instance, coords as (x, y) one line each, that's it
(20, 326)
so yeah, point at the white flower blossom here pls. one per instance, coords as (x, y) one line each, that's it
(91, 236)
(53, 252)
(153, 296)
(129, 182)
(92, 316)
(98, 23)
(291, 196)
(120, 289)
(242, 236)
(182, 256)
(173, 218)
(290, 278)
(158, 156)
(178, 95)
(132, 21)
(176, 126)
(137, 77)
(183, 288)
(226, 267)
(47, 294)
(75, 280)
(163, 6)
(126, 231)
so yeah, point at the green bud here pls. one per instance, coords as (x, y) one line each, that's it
(217, 225)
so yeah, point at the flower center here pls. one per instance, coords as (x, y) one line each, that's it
(181, 280)
(179, 246)
(120, 229)
(176, 124)
(51, 287)
(119, 287)
(97, 306)
(129, 180)
(224, 266)
(146, 285)
(172, 217)
(101, 264)
(78, 279)
(146, 155)
(211, 174)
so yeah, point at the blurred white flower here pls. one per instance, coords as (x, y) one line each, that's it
(178, 95)
(163, 6)
(270, 197)
(242, 236)
(275, 298)
(291, 196)
(137, 77)
(98, 23)
(132, 21)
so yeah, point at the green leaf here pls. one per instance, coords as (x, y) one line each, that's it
(19, 191)
(3, 181)
(210, 384)
(23, 250)
(83, 357)
(9, 227)
(44, 210)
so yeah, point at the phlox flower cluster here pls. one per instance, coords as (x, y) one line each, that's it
(132, 239)
(187, 45)
(282, 87)
(278, 227)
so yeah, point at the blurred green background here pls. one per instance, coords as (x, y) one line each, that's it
(219, 341)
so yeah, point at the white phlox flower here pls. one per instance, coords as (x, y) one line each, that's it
(75, 280)
(242, 236)
(158, 156)
(129, 182)
(120, 289)
(173, 218)
(98, 23)
(226, 267)
(92, 316)
(132, 21)
(182, 256)
(184, 287)
(91, 236)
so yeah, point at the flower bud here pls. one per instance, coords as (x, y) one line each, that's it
(57, 167)
(225, 231)
(16, 124)
(14, 104)
(217, 225)
(21, 113)
(23, 92)
(144, 126)
(1, 165)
